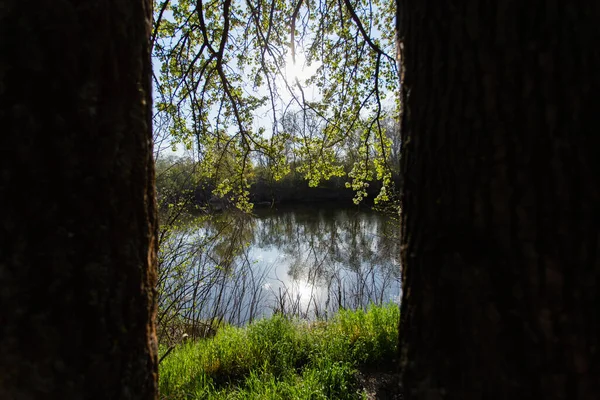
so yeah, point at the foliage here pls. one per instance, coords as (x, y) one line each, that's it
(281, 358)
(202, 278)
(206, 275)
(225, 84)
(199, 280)
(176, 182)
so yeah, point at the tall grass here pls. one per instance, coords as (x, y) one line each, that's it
(284, 358)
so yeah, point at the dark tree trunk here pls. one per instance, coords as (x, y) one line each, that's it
(501, 199)
(77, 234)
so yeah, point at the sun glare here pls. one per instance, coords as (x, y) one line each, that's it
(293, 70)
(303, 292)
(298, 69)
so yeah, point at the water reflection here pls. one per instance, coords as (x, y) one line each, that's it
(307, 262)
(325, 259)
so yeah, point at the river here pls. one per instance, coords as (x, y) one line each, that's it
(307, 261)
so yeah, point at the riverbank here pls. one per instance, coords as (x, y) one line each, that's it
(290, 191)
(351, 356)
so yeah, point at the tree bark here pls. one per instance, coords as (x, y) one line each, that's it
(77, 235)
(500, 199)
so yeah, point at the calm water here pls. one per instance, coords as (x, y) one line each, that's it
(307, 261)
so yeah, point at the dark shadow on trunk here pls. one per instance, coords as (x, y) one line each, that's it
(500, 205)
(77, 237)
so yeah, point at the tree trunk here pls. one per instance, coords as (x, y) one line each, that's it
(77, 236)
(501, 200)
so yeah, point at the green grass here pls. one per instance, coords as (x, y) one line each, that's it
(281, 358)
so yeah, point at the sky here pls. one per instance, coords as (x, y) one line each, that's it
(263, 117)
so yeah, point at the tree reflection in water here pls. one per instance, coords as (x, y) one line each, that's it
(327, 259)
(306, 262)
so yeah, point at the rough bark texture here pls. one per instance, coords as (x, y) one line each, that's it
(77, 233)
(501, 199)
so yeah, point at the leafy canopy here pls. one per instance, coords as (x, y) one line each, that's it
(228, 73)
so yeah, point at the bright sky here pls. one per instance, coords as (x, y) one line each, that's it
(264, 116)
(298, 70)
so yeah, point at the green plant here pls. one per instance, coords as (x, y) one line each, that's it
(283, 358)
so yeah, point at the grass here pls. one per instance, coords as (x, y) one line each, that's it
(282, 358)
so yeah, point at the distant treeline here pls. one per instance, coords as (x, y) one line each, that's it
(265, 192)
(178, 184)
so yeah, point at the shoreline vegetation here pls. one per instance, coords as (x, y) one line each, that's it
(232, 268)
(350, 356)
(208, 288)
(179, 181)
